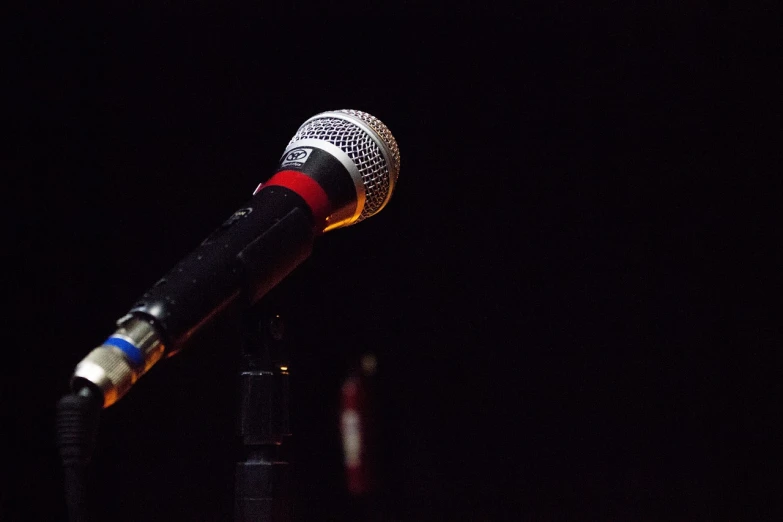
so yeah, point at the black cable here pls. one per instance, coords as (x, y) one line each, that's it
(77, 426)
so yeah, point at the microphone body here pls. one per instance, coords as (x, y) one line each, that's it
(323, 181)
(247, 256)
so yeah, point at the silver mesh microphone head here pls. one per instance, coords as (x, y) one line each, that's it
(371, 148)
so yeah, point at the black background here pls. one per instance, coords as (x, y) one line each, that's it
(562, 293)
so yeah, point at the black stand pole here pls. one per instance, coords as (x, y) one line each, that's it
(263, 486)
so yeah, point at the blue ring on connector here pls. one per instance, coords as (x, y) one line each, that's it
(133, 353)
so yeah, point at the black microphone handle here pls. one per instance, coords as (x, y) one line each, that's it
(338, 169)
(258, 246)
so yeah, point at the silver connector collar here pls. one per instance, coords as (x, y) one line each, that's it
(117, 364)
(107, 368)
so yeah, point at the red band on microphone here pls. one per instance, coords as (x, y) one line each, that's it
(309, 190)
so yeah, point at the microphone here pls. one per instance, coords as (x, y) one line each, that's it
(339, 169)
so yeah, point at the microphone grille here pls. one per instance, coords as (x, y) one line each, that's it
(376, 157)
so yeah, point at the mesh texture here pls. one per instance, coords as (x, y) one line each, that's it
(377, 175)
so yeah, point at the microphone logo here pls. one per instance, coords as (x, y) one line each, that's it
(296, 157)
(236, 216)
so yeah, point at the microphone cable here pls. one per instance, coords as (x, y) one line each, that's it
(78, 415)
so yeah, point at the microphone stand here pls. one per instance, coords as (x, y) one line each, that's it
(262, 482)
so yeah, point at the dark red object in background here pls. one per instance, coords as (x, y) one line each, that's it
(357, 430)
